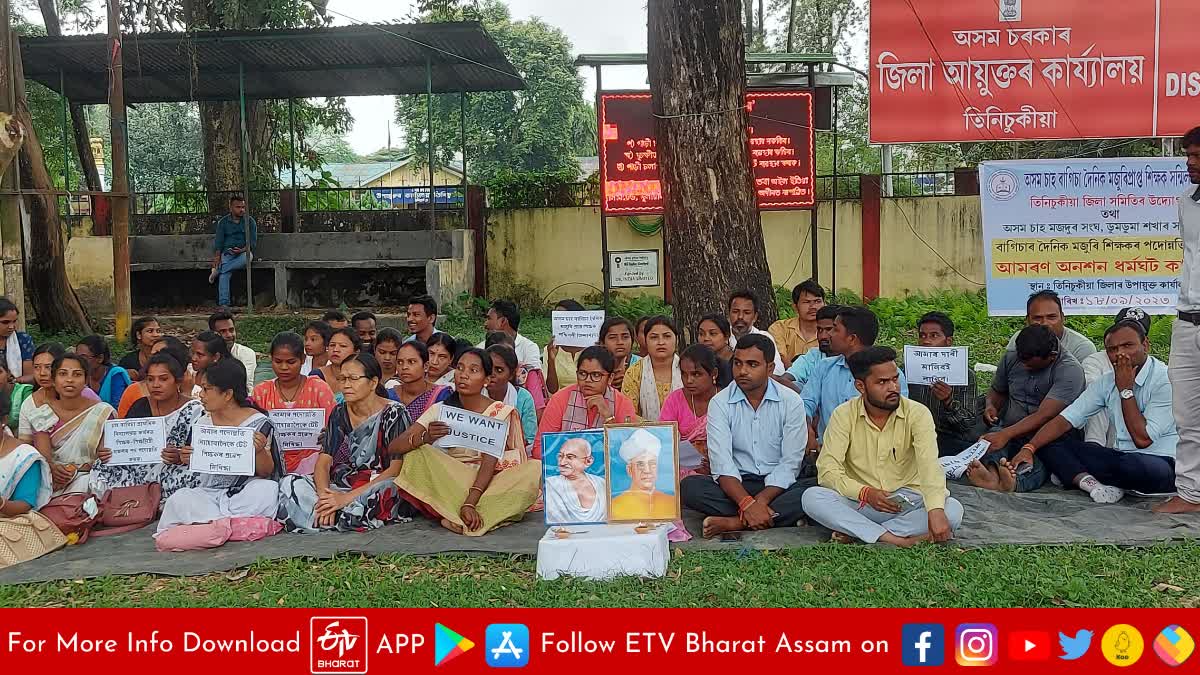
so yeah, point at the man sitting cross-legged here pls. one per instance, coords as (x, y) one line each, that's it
(756, 437)
(1136, 397)
(1032, 386)
(878, 474)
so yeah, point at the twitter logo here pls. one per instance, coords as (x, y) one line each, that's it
(1074, 647)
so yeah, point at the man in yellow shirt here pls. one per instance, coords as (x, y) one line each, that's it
(878, 472)
(796, 336)
(643, 500)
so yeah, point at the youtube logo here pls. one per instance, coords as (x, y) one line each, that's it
(1028, 645)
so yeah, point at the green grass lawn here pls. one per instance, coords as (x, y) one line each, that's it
(818, 576)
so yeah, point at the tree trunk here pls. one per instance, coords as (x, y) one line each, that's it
(83, 144)
(49, 292)
(712, 231)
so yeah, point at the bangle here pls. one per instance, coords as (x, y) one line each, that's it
(475, 487)
(471, 506)
(746, 503)
(1029, 446)
(862, 496)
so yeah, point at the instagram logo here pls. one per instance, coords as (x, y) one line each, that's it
(975, 644)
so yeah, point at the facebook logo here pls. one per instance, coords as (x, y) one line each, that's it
(922, 644)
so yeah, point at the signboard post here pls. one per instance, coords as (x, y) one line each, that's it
(1103, 233)
(962, 71)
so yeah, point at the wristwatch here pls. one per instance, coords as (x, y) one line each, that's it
(1126, 394)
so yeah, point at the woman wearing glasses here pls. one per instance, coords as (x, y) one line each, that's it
(589, 404)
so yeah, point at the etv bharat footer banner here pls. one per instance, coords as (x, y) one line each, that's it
(1103, 233)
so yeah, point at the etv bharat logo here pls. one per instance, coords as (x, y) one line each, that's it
(337, 645)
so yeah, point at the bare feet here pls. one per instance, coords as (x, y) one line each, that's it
(1176, 505)
(982, 476)
(902, 542)
(1007, 476)
(456, 529)
(715, 526)
(841, 538)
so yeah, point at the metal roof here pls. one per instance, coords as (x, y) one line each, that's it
(350, 175)
(361, 60)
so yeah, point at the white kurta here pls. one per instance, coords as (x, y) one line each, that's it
(562, 502)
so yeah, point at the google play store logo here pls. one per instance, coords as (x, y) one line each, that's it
(448, 645)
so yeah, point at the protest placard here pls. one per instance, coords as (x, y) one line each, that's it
(297, 428)
(472, 431)
(135, 441)
(223, 450)
(577, 329)
(926, 365)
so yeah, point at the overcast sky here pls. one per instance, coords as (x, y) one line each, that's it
(594, 26)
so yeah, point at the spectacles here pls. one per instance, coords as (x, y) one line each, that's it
(585, 376)
(343, 379)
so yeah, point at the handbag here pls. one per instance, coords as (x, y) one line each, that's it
(28, 536)
(125, 509)
(74, 514)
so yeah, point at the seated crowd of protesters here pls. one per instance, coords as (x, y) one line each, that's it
(809, 421)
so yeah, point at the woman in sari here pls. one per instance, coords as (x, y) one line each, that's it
(343, 344)
(69, 429)
(466, 491)
(616, 335)
(226, 404)
(208, 349)
(164, 380)
(138, 390)
(442, 348)
(415, 392)
(500, 388)
(142, 337)
(590, 404)
(107, 380)
(688, 407)
(713, 332)
(25, 482)
(353, 487)
(290, 390)
(648, 381)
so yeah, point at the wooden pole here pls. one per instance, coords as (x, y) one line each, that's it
(10, 183)
(120, 174)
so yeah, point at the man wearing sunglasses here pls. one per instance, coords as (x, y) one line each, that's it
(590, 403)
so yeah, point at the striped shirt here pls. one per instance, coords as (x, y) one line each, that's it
(956, 416)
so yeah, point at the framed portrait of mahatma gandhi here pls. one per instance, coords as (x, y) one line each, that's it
(576, 486)
(643, 472)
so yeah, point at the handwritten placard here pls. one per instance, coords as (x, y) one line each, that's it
(577, 329)
(227, 451)
(926, 365)
(475, 432)
(298, 428)
(135, 441)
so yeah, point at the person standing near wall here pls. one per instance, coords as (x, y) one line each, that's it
(1184, 370)
(231, 251)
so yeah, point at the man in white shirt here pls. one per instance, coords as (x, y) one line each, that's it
(505, 317)
(743, 314)
(1185, 345)
(221, 322)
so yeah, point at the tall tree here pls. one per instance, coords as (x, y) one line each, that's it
(542, 128)
(79, 128)
(46, 285)
(713, 234)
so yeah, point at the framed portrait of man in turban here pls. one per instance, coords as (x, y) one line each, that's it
(643, 472)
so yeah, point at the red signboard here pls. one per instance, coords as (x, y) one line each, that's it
(781, 152)
(997, 70)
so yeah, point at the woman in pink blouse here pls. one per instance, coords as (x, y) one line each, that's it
(688, 407)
